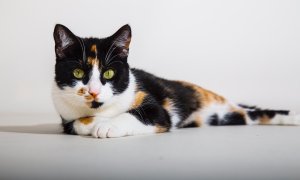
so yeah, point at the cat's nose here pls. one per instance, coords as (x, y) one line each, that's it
(94, 93)
(94, 87)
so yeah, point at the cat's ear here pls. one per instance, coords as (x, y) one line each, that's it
(122, 39)
(65, 41)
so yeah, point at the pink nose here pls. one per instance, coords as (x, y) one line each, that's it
(94, 93)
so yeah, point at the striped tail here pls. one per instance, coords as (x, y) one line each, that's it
(257, 115)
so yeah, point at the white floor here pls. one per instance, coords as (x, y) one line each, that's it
(241, 152)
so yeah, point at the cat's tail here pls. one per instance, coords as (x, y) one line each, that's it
(257, 115)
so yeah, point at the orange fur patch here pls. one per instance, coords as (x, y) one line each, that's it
(86, 120)
(89, 97)
(264, 120)
(160, 129)
(139, 99)
(81, 91)
(198, 121)
(167, 104)
(205, 96)
(94, 48)
(93, 61)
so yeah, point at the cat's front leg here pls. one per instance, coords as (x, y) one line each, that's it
(81, 126)
(125, 124)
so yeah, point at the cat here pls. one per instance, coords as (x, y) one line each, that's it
(96, 93)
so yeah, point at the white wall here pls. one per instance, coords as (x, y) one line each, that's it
(249, 51)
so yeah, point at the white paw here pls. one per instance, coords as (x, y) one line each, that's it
(108, 130)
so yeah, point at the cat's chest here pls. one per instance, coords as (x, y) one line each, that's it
(106, 111)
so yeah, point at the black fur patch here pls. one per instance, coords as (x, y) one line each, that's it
(151, 113)
(68, 127)
(95, 104)
(247, 107)
(233, 118)
(214, 120)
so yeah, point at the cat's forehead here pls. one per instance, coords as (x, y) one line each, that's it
(93, 46)
(94, 51)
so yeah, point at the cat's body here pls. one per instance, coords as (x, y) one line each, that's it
(97, 93)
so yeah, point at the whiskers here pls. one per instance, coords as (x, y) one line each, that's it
(108, 58)
(110, 50)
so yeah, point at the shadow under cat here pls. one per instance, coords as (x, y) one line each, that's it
(34, 129)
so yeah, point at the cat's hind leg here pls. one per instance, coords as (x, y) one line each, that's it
(217, 114)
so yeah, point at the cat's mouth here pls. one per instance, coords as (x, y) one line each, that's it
(96, 104)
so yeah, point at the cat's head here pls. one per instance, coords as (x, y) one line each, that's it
(90, 70)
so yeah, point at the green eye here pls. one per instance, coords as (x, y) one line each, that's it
(78, 73)
(108, 74)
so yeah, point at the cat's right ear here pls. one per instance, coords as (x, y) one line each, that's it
(65, 41)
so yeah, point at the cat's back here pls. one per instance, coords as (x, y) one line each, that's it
(161, 88)
(177, 97)
(180, 91)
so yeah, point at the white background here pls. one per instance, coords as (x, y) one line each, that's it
(247, 51)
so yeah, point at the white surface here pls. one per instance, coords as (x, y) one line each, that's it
(247, 51)
(241, 152)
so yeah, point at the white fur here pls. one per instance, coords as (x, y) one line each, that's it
(70, 105)
(122, 125)
(83, 129)
(94, 83)
(104, 92)
(174, 119)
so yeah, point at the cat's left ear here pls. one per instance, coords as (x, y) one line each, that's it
(122, 39)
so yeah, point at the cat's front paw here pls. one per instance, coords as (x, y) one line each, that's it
(107, 130)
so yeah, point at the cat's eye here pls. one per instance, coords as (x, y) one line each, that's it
(108, 74)
(78, 73)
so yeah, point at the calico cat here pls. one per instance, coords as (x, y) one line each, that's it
(97, 93)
